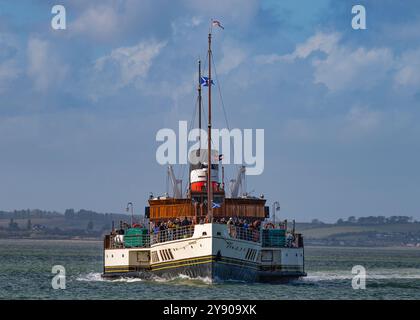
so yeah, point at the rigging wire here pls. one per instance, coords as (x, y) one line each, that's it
(183, 166)
(224, 110)
(220, 93)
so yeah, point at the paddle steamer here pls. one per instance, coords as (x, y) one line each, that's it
(231, 239)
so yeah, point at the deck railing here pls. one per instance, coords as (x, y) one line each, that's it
(241, 233)
(269, 238)
(273, 238)
(171, 234)
(135, 241)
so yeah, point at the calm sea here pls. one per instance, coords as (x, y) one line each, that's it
(25, 273)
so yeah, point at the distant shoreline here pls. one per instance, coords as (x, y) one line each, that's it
(307, 246)
(51, 239)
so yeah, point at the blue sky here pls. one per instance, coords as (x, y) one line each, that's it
(80, 108)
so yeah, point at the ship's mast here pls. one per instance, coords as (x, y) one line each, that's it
(209, 184)
(199, 102)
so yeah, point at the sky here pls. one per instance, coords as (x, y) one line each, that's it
(80, 108)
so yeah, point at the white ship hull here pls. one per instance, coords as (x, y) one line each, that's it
(211, 252)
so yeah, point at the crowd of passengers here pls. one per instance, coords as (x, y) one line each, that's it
(177, 223)
(173, 229)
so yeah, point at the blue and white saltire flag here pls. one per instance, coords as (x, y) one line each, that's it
(205, 81)
(216, 205)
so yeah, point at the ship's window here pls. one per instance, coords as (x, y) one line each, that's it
(170, 253)
(267, 255)
(219, 234)
(162, 255)
(112, 256)
(204, 233)
(252, 254)
(247, 254)
(166, 254)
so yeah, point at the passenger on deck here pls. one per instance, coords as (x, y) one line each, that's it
(230, 221)
(185, 222)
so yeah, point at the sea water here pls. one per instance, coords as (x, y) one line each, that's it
(25, 273)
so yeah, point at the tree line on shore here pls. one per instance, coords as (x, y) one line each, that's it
(371, 220)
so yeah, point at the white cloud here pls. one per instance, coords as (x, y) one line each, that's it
(43, 66)
(323, 42)
(182, 26)
(233, 56)
(353, 69)
(99, 21)
(342, 67)
(124, 66)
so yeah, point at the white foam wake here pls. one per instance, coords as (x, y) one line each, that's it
(96, 276)
(181, 278)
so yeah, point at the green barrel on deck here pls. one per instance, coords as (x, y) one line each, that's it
(274, 238)
(135, 237)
